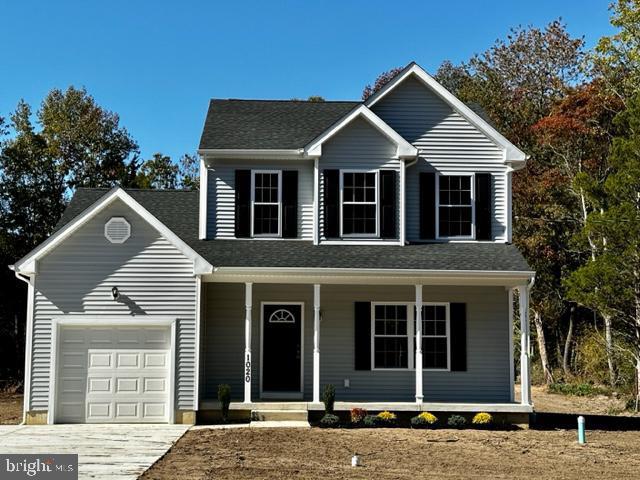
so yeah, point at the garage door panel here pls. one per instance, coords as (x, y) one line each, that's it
(117, 375)
(128, 360)
(100, 359)
(100, 385)
(127, 385)
(155, 360)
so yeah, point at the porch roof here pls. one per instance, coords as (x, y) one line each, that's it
(178, 210)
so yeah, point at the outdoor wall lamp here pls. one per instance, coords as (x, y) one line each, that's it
(114, 293)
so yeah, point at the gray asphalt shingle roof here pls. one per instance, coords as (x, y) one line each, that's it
(268, 124)
(178, 210)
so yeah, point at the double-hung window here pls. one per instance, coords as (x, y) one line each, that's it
(393, 336)
(359, 203)
(435, 336)
(266, 189)
(455, 206)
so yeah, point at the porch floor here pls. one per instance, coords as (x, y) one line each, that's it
(376, 406)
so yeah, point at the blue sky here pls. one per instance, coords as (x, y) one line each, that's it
(157, 63)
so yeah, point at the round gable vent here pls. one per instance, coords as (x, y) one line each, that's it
(117, 230)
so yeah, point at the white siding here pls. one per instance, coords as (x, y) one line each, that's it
(221, 192)
(358, 146)
(447, 143)
(487, 377)
(153, 277)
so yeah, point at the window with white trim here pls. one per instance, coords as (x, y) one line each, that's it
(359, 203)
(393, 336)
(435, 336)
(455, 206)
(390, 336)
(266, 192)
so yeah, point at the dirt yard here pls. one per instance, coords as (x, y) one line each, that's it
(398, 453)
(10, 408)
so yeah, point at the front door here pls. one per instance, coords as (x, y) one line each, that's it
(281, 347)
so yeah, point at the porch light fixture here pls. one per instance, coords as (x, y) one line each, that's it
(115, 293)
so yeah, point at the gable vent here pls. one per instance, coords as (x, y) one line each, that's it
(117, 230)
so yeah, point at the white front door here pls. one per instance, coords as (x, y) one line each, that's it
(113, 374)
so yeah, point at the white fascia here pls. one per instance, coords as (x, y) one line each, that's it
(28, 265)
(513, 155)
(404, 148)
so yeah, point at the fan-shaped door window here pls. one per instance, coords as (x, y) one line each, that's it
(282, 316)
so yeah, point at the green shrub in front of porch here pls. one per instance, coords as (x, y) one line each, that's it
(329, 421)
(329, 398)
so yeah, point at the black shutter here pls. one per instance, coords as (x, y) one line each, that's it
(388, 204)
(483, 206)
(427, 205)
(243, 203)
(458, 325)
(331, 203)
(290, 203)
(362, 336)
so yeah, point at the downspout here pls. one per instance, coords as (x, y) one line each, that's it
(27, 351)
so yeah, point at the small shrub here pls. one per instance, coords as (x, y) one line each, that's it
(457, 421)
(357, 415)
(386, 419)
(330, 421)
(424, 420)
(329, 398)
(224, 397)
(482, 419)
(577, 389)
(370, 421)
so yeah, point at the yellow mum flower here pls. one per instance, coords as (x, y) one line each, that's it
(429, 418)
(482, 418)
(387, 415)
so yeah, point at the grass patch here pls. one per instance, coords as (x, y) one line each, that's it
(578, 389)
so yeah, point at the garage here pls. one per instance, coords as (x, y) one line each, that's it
(113, 373)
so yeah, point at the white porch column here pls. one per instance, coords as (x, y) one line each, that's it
(247, 341)
(418, 356)
(525, 383)
(316, 343)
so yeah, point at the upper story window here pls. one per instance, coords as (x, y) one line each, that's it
(455, 206)
(359, 203)
(266, 190)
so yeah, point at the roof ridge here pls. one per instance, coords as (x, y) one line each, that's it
(280, 100)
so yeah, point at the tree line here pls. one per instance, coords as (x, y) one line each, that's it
(576, 112)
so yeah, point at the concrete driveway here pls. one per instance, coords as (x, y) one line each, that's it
(104, 451)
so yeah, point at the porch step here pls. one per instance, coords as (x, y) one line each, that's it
(279, 415)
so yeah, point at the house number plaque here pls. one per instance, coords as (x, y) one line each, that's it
(247, 369)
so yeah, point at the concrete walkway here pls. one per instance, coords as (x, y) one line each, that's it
(104, 451)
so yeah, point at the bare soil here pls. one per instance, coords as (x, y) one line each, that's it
(248, 453)
(10, 408)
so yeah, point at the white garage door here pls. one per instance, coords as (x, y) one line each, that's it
(113, 374)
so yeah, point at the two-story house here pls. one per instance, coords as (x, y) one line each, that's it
(361, 244)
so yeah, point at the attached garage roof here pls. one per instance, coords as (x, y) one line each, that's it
(178, 211)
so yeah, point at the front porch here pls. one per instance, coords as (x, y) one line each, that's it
(233, 346)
